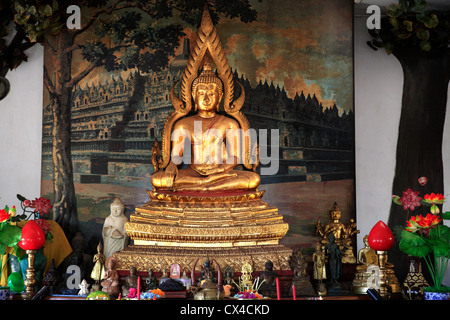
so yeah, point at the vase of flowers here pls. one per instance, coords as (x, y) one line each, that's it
(425, 236)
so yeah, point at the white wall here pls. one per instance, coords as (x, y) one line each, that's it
(378, 89)
(21, 131)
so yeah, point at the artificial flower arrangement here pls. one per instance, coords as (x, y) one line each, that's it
(10, 233)
(246, 293)
(425, 236)
(149, 295)
(10, 236)
(153, 294)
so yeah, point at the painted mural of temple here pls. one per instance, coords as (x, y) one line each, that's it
(115, 123)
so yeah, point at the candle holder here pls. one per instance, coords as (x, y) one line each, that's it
(30, 280)
(382, 257)
(32, 240)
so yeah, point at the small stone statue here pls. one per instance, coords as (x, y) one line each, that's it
(110, 283)
(115, 237)
(268, 288)
(151, 282)
(130, 282)
(98, 270)
(84, 288)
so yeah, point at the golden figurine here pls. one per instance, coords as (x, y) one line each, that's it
(320, 271)
(342, 234)
(98, 270)
(367, 271)
(246, 277)
(212, 207)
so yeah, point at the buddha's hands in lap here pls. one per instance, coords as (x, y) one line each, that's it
(169, 174)
(215, 172)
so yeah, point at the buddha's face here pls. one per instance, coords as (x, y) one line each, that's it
(207, 96)
(117, 210)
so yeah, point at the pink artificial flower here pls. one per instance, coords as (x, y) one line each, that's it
(26, 203)
(41, 205)
(423, 181)
(132, 293)
(410, 199)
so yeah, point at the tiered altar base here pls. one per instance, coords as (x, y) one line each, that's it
(179, 227)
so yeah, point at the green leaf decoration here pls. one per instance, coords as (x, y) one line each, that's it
(409, 25)
(425, 45)
(46, 10)
(446, 215)
(413, 244)
(396, 200)
(431, 22)
(394, 22)
(393, 10)
(423, 34)
(21, 198)
(10, 235)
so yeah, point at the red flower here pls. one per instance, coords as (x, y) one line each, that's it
(434, 198)
(410, 199)
(41, 205)
(420, 222)
(4, 215)
(26, 203)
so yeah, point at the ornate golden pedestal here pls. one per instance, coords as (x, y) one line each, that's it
(233, 228)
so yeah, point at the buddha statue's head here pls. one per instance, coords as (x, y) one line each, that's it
(207, 90)
(117, 207)
(335, 212)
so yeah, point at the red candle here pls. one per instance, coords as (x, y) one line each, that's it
(278, 288)
(139, 288)
(293, 292)
(120, 297)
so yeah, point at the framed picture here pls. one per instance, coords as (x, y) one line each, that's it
(107, 95)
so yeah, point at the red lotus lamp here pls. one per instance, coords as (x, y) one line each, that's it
(381, 239)
(33, 238)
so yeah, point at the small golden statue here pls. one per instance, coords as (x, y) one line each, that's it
(98, 270)
(246, 277)
(342, 234)
(319, 270)
(367, 272)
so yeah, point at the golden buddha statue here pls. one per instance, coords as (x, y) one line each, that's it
(213, 159)
(211, 207)
(341, 232)
(366, 271)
